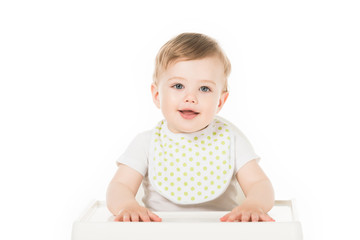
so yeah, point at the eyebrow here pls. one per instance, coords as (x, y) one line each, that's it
(181, 78)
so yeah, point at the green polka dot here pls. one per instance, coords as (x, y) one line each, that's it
(212, 192)
(165, 179)
(159, 183)
(185, 174)
(185, 183)
(190, 149)
(179, 198)
(199, 193)
(214, 133)
(206, 188)
(199, 183)
(192, 179)
(198, 173)
(203, 148)
(172, 184)
(191, 169)
(192, 188)
(191, 159)
(159, 173)
(178, 179)
(160, 154)
(205, 168)
(222, 142)
(204, 158)
(192, 198)
(186, 193)
(224, 162)
(206, 178)
(184, 164)
(208, 137)
(224, 172)
(219, 128)
(170, 146)
(179, 188)
(172, 193)
(159, 163)
(172, 164)
(210, 153)
(196, 138)
(202, 142)
(223, 152)
(171, 174)
(166, 188)
(198, 164)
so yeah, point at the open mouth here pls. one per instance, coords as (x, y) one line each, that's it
(188, 114)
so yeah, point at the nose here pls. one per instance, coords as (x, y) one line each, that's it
(190, 98)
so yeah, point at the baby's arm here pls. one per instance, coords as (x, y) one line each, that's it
(259, 195)
(121, 194)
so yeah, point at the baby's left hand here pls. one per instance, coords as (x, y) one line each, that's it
(248, 211)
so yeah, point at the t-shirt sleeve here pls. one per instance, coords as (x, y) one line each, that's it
(136, 154)
(244, 152)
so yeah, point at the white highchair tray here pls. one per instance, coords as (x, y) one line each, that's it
(97, 224)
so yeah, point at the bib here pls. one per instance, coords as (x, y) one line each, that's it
(194, 167)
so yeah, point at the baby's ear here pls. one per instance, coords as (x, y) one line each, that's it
(222, 100)
(155, 94)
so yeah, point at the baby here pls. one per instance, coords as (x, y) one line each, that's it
(193, 159)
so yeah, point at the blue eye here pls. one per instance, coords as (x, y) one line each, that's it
(178, 86)
(204, 89)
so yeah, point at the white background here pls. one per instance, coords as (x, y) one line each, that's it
(75, 89)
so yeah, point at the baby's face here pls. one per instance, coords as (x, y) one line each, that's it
(190, 93)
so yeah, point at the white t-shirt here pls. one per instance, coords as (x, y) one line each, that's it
(136, 156)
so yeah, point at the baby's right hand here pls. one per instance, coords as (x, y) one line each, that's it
(136, 213)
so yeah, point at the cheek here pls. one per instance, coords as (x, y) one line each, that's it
(168, 100)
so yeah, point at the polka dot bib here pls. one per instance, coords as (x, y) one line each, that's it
(191, 168)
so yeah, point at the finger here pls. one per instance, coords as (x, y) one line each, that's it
(144, 217)
(234, 216)
(266, 218)
(225, 217)
(126, 217)
(134, 217)
(245, 217)
(154, 217)
(118, 218)
(254, 217)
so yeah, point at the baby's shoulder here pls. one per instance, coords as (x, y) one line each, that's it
(232, 127)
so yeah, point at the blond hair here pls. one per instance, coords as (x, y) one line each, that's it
(189, 46)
